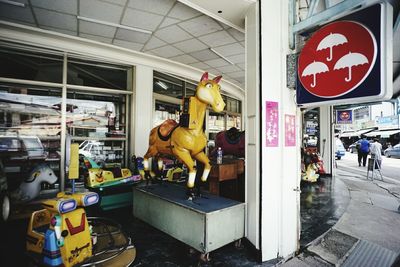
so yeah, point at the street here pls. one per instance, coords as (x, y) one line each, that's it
(390, 167)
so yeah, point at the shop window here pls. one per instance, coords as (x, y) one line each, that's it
(30, 126)
(190, 89)
(98, 123)
(94, 74)
(165, 111)
(167, 85)
(35, 66)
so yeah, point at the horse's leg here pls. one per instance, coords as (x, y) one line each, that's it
(186, 158)
(207, 166)
(151, 152)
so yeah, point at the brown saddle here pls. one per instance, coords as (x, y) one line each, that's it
(166, 128)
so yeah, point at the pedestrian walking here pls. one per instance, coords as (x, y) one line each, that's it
(363, 151)
(376, 152)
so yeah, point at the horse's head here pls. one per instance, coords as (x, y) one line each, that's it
(42, 173)
(208, 91)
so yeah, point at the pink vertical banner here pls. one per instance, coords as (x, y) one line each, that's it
(290, 130)
(272, 124)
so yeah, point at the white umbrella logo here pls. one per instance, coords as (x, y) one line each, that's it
(331, 40)
(313, 69)
(350, 60)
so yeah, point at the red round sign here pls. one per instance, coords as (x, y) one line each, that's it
(337, 59)
(345, 116)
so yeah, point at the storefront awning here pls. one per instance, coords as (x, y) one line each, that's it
(348, 134)
(383, 134)
(356, 133)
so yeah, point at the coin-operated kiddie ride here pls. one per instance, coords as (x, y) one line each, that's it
(62, 234)
(187, 140)
(194, 220)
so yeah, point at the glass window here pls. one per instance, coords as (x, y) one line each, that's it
(165, 111)
(30, 126)
(190, 89)
(94, 74)
(34, 66)
(98, 123)
(167, 85)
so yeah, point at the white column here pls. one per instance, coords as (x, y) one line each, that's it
(327, 145)
(143, 111)
(280, 164)
(252, 126)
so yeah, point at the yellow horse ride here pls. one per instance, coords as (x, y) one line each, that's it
(188, 140)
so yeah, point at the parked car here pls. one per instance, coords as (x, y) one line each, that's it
(340, 151)
(21, 153)
(393, 151)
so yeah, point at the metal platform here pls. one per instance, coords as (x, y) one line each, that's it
(205, 224)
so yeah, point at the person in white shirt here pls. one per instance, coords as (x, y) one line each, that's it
(376, 151)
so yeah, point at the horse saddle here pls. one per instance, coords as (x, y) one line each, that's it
(166, 128)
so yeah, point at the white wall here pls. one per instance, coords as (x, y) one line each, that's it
(280, 165)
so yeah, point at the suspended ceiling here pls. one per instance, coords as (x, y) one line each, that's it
(165, 28)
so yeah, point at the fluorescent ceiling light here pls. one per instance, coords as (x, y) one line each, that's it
(113, 24)
(162, 85)
(221, 56)
(13, 3)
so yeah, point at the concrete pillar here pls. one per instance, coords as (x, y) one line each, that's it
(143, 110)
(327, 146)
(280, 160)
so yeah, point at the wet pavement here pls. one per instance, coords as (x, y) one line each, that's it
(322, 204)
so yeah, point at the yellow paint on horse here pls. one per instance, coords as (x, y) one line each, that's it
(188, 144)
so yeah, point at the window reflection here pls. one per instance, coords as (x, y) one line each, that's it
(30, 126)
(97, 123)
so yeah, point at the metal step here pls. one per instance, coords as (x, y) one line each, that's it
(367, 254)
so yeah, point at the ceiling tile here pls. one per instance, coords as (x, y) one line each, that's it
(183, 12)
(236, 34)
(236, 74)
(214, 72)
(200, 26)
(200, 65)
(96, 29)
(231, 49)
(203, 55)
(172, 34)
(132, 36)
(217, 39)
(154, 42)
(96, 38)
(168, 21)
(152, 6)
(116, 2)
(185, 59)
(237, 58)
(56, 20)
(100, 10)
(229, 68)
(73, 33)
(8, 12)
(215, 63)
(69, 7)
(167, 51)
(129, 45)
(241, 65)
(191, 45)
(140, 19)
